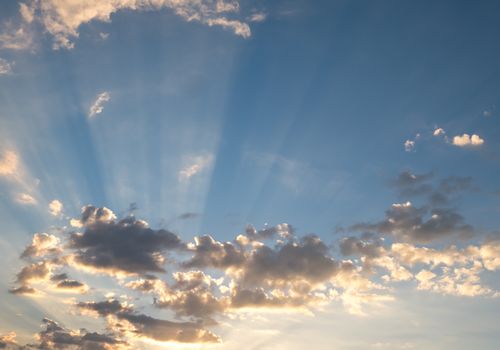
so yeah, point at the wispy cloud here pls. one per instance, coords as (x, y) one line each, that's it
(98, 105)
(25, 198)
(5, 67)
(62, 19)
(195, 164)
(9, 163)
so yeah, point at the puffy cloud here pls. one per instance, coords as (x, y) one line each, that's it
(141, 325)
(270, 268)
(25, 199)
(305, 261)
(34, 272)
(439, 132)
(41, 245)
(98, 105)
(409, 145)
(128, 246)
(55, 336)
(62, 19)
(210, 253)
(91, 215)
(9, 163)
(466, 140)
(8, 341)
(55, 207)
(5, 67)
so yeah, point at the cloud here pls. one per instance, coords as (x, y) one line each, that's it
(63, 19)
(16, 37)
(466, 140)
(195, 165)
(258, 17)
(270, 268)
(440, 194)
(8, 340)
(9, 163)
(439, 132)
(42, 245)
(127, 246)
(25, 199)
(98, 105)
(5, 67)
(55, 207)
(409, 223)
(409, 145)
(149, 327)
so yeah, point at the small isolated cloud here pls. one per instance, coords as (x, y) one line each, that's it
(439, 132)
(98, 105)
(466, 140)
(195, 165)
(487, 113)
(409, 145)
(55, 207)
(104, 36)
(5, 67)
(25, 199)
(258, 17)
(9, 163)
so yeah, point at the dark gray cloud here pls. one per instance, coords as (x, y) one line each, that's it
(438, 193)
(409, 223)
(35, 271)
(128, 245)
(361, 247)
(211, 253)
(189, 215)
(56, 337)
(22, 290)
(306, 260)
(150, 327)
(434, 219)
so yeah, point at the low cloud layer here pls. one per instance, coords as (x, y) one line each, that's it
(202, 282)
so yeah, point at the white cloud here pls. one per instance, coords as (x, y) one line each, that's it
(258, 17)
(409, 145)
(439, 132)
(466, 140)
(196, 164)
(25, 199)
(55, 207)
(5, 67)
(98, 105)
(62, 19)
(487, 113)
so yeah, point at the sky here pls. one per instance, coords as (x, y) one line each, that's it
(249, 174)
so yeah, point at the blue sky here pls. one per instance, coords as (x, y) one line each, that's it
(360, 139)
